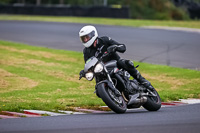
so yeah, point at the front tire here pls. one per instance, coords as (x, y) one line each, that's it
(109, 99)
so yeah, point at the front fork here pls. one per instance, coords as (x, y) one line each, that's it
(108, 76)
(110, 84)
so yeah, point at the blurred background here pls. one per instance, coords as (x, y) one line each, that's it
(133, 9)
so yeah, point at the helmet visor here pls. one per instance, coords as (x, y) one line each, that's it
(87, 37)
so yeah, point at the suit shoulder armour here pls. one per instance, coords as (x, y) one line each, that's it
(104, 38)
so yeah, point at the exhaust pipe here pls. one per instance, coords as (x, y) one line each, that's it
(137, 101)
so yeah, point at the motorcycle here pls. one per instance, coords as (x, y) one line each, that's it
(115, 88)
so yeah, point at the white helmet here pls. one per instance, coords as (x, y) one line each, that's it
(88, 35)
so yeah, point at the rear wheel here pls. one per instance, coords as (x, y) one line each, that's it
(117, 104)
(153, 101)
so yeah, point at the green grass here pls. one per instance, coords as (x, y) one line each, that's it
(47, 79)
(107, 21)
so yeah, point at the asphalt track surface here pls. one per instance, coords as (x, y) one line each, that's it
(181, 119)
(172, 48)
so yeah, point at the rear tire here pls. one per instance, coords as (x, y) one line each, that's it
(109, 100)
(153, 103)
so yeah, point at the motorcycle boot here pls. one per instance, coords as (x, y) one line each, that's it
(143, 81)
(136, 75)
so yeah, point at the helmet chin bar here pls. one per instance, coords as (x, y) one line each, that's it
(89, 43)
(87, 37)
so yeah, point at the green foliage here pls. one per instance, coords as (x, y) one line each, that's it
(140, 9)
(155, 9)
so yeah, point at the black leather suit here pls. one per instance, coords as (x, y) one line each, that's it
(102, 45)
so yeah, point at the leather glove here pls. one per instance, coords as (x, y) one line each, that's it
(82, 74)
(112, 49)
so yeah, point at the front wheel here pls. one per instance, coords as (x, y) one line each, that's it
(153, 102)
(117, 104)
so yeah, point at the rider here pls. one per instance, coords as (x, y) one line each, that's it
(96, 46)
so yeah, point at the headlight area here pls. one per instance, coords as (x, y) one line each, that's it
(89, 76)
(98, 68)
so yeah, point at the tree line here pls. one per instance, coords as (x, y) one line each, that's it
(139, 9)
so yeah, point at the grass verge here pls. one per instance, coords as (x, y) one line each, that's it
(47, 79)
(107, 21)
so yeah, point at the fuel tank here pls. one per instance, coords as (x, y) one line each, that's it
(110, 65)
